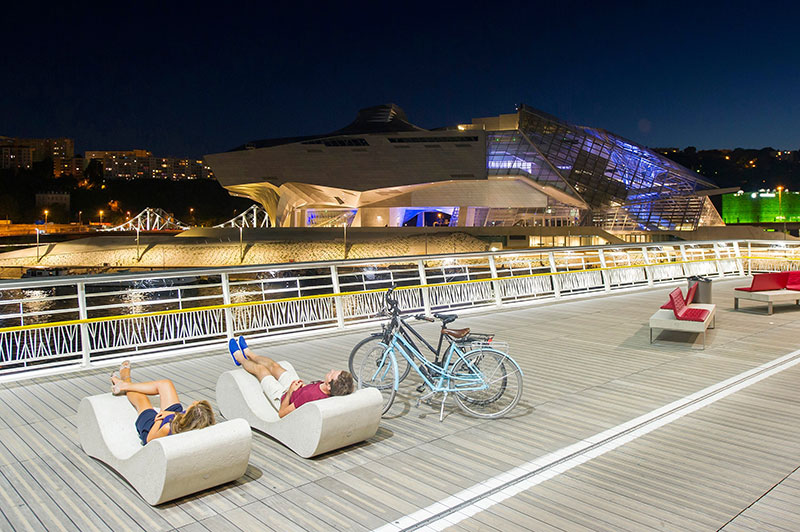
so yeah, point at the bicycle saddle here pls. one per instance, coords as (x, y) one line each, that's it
(456, 333)
(446, 318)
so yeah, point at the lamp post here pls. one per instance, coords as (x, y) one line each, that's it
(37, 245)
(780, 208)
(101, 217)
(138, 257)
(46, 212)
(80, 221)
(241, 246)
(345, 238)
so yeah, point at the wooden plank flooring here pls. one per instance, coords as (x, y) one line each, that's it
(588, 366)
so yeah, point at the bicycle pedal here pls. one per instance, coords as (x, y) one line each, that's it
(421, 388)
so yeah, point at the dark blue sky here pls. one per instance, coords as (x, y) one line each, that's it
(189, 79)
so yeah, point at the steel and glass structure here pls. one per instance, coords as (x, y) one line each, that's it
(525, 168)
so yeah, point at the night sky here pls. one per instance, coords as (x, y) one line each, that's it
(190, 79)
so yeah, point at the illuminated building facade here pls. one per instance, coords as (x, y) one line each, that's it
(764, 206)
(525, 168)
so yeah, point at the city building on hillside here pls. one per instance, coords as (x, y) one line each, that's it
(68, 166)
(50, 199)
(525, 168)
(140, 164)
(43, 148)
(17, 157)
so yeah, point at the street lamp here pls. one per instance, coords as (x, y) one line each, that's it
(780, 208)
(101, 217)
(46, 212)
(80, 213)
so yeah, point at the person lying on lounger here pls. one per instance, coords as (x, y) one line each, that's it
(283, 387)
(172, 419)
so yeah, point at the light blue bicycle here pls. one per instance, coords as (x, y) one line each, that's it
(485, 381)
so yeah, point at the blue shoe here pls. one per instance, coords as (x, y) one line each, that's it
(242, 345)
(233, 347)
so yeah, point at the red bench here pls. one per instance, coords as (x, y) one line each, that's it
(769, 288)
(682, 317)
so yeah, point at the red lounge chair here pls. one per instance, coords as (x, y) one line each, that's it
(682, 312)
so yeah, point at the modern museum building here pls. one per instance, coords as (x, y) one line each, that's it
(527, 168)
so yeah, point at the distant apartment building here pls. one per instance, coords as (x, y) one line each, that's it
(141, 164)
(43, 148)
(17, 152)
(68, 166)
(16, 157)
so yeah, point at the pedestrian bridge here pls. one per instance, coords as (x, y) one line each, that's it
(612, 433)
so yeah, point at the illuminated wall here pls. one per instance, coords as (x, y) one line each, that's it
(761, 207)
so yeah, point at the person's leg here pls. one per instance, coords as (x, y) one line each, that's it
(259, 366)
(275, 369)
(137, 392)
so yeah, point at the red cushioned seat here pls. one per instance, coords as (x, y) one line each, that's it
(793, 281)
(690, 296)
(684, 313)
(694, 314)
(767, 281)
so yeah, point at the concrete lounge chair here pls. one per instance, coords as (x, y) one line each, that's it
(166, 468)
(314, 428)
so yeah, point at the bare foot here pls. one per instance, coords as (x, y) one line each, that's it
(116, 385)
(125, 371)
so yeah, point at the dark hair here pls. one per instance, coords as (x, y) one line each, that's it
(197, 416)
(343, 384)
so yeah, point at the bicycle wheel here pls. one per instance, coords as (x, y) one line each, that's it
(378, 369)
(363, 347)
(488, 383)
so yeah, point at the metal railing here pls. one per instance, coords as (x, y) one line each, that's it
(81, 320)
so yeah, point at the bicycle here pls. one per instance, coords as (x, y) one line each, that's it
(486, 382)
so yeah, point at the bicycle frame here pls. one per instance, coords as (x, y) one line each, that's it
(441, 379)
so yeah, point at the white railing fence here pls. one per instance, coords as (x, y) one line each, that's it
(78, 321)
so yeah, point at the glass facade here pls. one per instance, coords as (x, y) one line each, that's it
(623, 186)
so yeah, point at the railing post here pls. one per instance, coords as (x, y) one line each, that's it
(83, 314)
(685, 268)
(738, 253)
(718, 260)
(423, 280)
(554, 277)
(749, 259)
(604, 272)
(226, 299)
(337, 299)
(498, 300)
(648, 268)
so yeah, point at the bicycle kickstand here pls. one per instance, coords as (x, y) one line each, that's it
(441, 410)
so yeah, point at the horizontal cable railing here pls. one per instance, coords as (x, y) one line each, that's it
(80, 320)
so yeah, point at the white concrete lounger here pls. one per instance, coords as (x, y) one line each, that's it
(165, 468)
(314, 428)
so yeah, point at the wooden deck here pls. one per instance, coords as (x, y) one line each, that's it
(731, 465)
